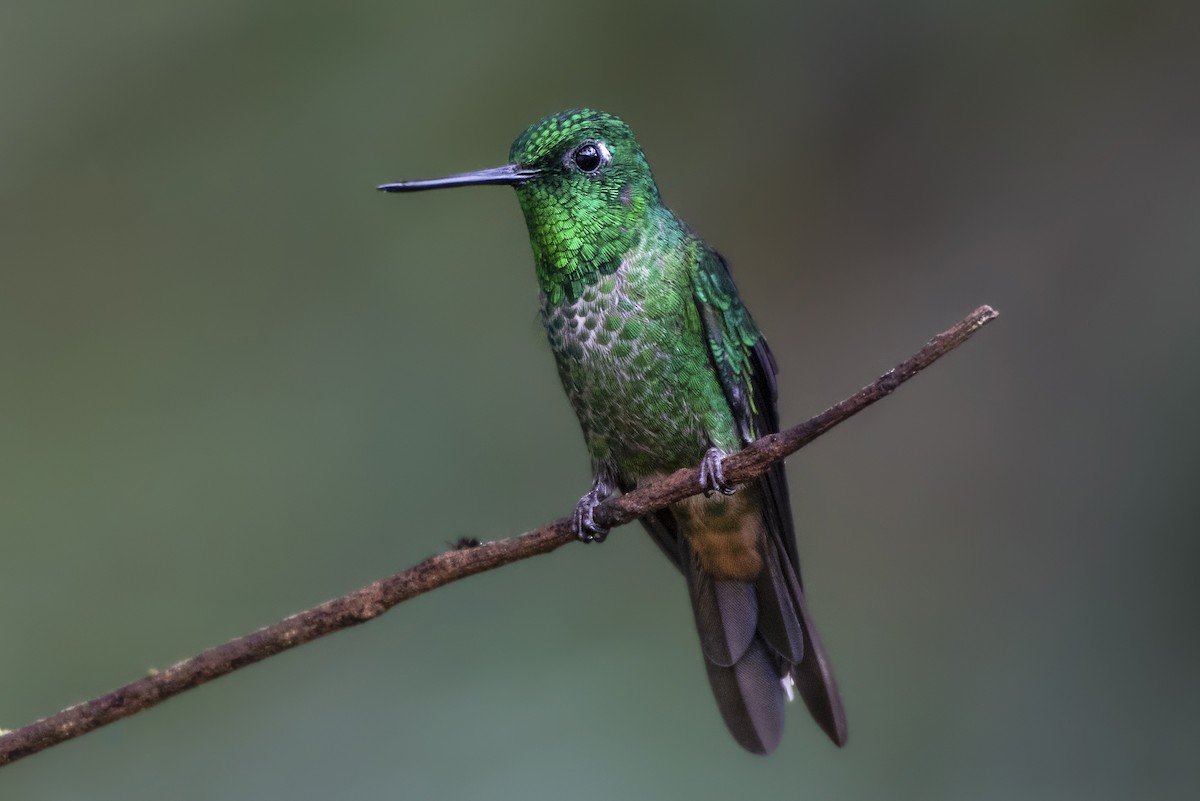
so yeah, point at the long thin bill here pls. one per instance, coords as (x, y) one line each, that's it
(509, 174)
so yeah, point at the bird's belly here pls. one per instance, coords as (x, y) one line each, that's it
(643, 389)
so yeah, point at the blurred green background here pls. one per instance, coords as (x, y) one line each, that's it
(237, 381)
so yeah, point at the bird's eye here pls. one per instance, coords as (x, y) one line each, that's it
(589, 157)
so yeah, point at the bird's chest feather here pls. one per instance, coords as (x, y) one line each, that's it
(636, 370)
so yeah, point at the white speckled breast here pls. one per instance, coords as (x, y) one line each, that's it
(637, 371)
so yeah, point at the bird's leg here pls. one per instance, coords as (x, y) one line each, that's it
(712, 477)
(583, 521)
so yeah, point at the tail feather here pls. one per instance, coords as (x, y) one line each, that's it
(753, 634)
(726, 614)
(779, 615)
(814, 675)
(750, 698)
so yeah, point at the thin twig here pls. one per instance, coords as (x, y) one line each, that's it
(374, 599)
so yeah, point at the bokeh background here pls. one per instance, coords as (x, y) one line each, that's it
(236, 381)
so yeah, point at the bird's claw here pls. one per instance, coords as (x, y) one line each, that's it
(712, 477)
(584, 521)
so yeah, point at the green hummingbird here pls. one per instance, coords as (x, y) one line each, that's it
(666, 369)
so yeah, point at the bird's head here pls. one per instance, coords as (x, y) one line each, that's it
(585, 188)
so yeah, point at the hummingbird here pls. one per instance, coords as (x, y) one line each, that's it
(666, 369)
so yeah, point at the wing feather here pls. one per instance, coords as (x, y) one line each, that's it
(746, 369)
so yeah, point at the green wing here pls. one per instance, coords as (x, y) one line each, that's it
(740, 356)
(746, 370)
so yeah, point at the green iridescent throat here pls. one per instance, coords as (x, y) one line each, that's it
(582, 224)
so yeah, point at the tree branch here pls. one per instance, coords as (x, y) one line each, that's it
(374, 599)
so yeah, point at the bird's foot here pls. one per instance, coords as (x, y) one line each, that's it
(584, 521)
(712, 477)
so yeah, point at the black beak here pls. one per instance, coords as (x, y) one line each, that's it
(509, 174)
